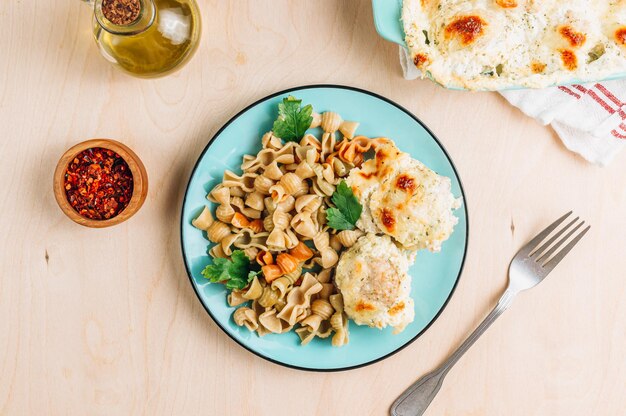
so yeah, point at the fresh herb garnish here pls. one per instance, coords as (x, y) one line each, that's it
(347, 209)
(293, 120)
(235, 273)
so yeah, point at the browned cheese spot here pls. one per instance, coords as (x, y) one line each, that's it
(388, 219)
(537, 67)
(363, 306)
(620, 36)
(381, 163)
(507, 4)
(466, 28)
(406, 183)
(396, 308)
(420, 60)
(570, 61)
(575, 39)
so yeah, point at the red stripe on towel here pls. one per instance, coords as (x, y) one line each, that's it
(580, 88)
(600, 101)
(616, 134)
(608, 94)
(568, 91)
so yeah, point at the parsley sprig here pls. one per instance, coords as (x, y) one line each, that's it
(235, 273)
(293, 119)
(347, 209)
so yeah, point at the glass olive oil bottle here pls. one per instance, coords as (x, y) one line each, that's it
(147, 38)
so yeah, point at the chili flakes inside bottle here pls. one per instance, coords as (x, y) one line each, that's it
(98, 184)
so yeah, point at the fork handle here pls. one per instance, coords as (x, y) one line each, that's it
(415, 399)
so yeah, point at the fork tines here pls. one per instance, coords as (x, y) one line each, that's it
(552, 251)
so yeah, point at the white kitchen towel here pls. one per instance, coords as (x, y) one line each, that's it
(590, 119)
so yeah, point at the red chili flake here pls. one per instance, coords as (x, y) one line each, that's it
(98, 184)
(121, 12)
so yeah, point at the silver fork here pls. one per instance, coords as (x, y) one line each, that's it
(531, 265)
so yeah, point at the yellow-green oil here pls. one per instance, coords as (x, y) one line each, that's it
(162, 48)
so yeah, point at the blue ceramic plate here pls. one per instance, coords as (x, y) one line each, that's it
(434, 275)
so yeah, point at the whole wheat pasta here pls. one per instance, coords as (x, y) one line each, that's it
(275, 212)
(339, 322)
(235, 298)
(247, 317)
(262, 184)
(330, 122)
(347, 238)
(245, 182)
(269, 141)
(273, 172)
(316, 120)
(225, 213)
(255, 201)
(240, 206)
(272, 323)
(321, 310)
(204, 220)
(310, 140)
(218, 231)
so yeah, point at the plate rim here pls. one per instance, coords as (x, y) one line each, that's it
(307, 87)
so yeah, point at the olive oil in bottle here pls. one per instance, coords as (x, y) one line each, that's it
(162, 34)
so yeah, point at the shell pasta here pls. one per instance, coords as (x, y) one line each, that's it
(274, 213)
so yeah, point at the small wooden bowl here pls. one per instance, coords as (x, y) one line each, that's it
(140, 182)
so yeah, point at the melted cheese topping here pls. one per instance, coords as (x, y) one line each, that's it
(366, 180)
(373, 278)
(403, 198)
(494, 44)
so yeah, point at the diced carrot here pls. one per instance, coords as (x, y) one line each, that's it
(287, 262)
(264, 258)
(271, 272)
(240, 221)
(301, 252)
(256, 225)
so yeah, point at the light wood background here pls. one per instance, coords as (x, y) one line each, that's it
(104, 322)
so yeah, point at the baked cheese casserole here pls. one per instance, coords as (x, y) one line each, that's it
(496, 44)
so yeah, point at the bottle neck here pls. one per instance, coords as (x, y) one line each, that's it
(145, 19)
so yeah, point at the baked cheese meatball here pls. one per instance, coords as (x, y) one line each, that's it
(373, 278)
(403, 198)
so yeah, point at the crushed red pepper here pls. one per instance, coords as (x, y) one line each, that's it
(121, 12)
(98, 184)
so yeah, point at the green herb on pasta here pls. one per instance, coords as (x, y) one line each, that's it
(293, 119)
(347, 209)
(234, 274)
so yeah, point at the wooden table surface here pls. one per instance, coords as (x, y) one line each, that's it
(105, 322)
